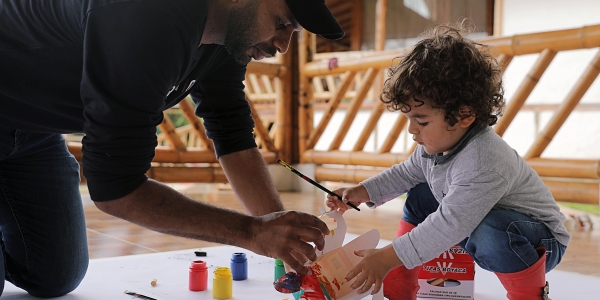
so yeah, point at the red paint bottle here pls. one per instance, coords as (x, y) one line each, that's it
(198, 276)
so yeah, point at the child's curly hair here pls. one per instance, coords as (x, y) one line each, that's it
(451, 71)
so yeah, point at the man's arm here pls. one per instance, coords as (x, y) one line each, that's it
(158, 207)
(251, 181)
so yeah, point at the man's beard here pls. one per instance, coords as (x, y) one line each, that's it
(242, 27)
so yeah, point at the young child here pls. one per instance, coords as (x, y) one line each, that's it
(465, 185)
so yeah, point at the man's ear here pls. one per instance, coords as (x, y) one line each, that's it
(466, 117)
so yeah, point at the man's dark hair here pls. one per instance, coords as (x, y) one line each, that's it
(451, 71)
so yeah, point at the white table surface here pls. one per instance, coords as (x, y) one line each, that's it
(108, 278)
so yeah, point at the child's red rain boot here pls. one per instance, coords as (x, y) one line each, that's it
(528, 284)
(401, 283)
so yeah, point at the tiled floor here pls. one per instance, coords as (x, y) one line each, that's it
(109, 236)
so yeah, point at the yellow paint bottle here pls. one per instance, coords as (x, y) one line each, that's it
(222, 283)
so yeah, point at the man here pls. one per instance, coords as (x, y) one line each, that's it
(109, 68)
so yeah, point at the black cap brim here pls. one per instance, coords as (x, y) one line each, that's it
(315, 17)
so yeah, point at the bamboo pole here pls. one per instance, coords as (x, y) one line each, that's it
(330, 84)
(331, 107)
(262, 97)
(357, 64)
(524, 90)
(207, 174)
(269, 69)
(392, 137)
(283, 117)
(317, 84)
(573, 191)
(352, 158)
(570, 168)
(545, 167)
(357, 24)
(570, 39)
(380, 19)
(305, 90)
(559, 40)
(197, 125)
(498, 16)
(260, 129)
(573, 98)
(168, 129)
(169, 155)
(348, 175)
(503, 61)
(370, 126)
(380, 38)
(353, 109)
(252, 80)
(562, 190)
(266, 81)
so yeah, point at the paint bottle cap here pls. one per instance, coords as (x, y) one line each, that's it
(222, 272)
(238, 257)
(198, 265)
(279, 269)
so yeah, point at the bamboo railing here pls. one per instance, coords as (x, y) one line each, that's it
(185, 154)
(348, 83)
(573, 180)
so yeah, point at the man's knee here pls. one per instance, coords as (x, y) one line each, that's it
(59, 283)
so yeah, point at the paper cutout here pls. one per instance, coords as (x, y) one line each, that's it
(334, 263)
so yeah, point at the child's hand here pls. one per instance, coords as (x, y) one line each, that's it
(373, 268)
(356, 195)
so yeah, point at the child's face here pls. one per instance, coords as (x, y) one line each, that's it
(429, 129)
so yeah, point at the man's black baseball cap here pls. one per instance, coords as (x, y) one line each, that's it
(315, 17)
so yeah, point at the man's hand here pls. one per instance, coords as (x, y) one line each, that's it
(357, 195)
(373, 268)
(282, 235)
(286, 234)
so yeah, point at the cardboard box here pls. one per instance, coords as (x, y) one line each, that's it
(450, 276)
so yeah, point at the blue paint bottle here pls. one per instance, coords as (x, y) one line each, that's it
(239, 266)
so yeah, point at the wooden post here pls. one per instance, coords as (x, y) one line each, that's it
(380, 38)
(283, 139)
(380, 14)
(356, 31)
(498, 16)
(305, 112)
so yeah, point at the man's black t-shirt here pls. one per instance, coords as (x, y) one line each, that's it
(108, 69)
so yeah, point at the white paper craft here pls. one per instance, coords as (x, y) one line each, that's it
(335, 261)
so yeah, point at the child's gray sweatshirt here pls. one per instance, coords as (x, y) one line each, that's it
(482, 173)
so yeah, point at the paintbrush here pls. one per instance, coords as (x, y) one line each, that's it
(281, 162)
(128, 292)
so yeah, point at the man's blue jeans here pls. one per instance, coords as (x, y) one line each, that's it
(504, 241)
(42, 225)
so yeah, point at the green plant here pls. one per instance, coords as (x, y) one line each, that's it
(589, 208)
